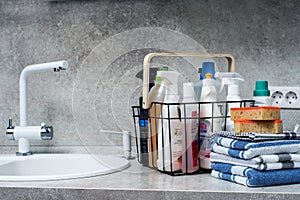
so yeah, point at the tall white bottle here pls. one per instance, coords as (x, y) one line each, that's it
(210, 111)
(169, 133)
(156, 94)
(189, 128)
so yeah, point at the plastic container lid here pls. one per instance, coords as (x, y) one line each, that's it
(207, 67)
(261, 89)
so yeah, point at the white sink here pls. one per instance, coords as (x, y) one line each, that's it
(42, 167)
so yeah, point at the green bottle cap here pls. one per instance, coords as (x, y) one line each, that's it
(164, 68)
(261, 89)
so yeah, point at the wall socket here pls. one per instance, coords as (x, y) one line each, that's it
(285, 97)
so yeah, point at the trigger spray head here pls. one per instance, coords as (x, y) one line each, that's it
(170, 78)
(232, 80)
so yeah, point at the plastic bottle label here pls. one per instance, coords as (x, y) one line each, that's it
(195, 139)
(205, 138)
(195, 153)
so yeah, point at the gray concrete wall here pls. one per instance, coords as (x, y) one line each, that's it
(105, 42)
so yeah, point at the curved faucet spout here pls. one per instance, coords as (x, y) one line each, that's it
(52, 66)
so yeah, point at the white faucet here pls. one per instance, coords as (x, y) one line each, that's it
(23, 133)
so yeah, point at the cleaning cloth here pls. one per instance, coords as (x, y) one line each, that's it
(264, 162)
(248, 150)
(251, 136)
(253, 178)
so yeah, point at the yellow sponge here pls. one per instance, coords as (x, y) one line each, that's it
(261, 126)
(255, 113)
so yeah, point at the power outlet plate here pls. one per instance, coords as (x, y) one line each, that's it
(285, 97)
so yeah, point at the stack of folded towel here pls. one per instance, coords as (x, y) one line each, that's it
(257, 159)
(256, 163)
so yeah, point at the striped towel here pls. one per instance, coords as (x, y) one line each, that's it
(248, 150)
(279, 161)
(254, 178)
(250, 136)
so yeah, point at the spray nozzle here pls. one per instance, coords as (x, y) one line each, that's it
(232, 79)
(170, 80)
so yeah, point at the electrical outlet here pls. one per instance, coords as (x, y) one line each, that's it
(285, 97)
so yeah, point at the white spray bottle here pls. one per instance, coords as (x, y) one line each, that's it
(232, 80)
(169, 132)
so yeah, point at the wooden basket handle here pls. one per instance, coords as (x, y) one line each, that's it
(148, 57)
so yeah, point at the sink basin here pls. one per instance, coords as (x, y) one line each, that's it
(41, 167)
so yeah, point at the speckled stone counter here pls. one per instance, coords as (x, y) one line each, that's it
(138, 182)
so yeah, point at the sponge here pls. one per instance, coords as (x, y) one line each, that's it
(255, 113)
(258, 126)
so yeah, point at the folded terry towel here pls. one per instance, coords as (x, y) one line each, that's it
(258, 162)
(250, 136)
(251, 177)
(248, 150)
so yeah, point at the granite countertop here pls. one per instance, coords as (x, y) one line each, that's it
(137, 182)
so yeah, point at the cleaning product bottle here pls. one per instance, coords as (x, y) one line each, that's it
(156, 94)
(143, 134)
(261, 94)
(169, 132)
(209, 113)
(207, 67)
(232, 81)
(189, 127)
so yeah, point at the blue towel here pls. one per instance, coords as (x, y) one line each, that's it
(248, 150)
(254, 178)
(279, 161)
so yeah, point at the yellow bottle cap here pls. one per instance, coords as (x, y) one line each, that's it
(208, 75)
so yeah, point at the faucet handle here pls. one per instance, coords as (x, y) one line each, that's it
(46, 132)
(10, 130)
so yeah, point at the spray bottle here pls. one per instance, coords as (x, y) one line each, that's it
(156, 94)
(169, 132)
(189, 128)
(209, 113)
(232, 80)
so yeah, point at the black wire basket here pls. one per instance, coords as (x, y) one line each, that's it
(155, 139)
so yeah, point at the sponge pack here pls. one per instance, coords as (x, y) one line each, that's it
(255, 113)
(264, 119)
(258, 126)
